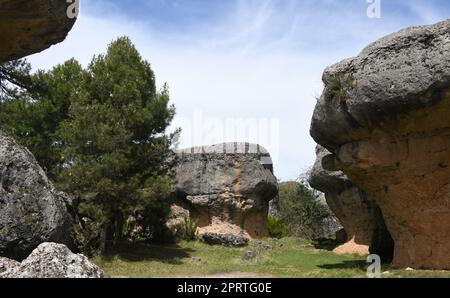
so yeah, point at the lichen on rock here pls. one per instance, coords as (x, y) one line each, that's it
(32, 211)
(50, 260)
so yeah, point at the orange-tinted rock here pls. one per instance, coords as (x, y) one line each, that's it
(358, 214)
(30, 26)
(226, 188)
(391, 136)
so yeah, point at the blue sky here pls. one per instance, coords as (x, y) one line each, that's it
(235, 64)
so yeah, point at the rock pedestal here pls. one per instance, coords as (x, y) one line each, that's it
(226, 188)
(385, 116)
(358, 214)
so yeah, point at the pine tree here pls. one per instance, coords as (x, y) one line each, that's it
(32, 111)
(115, 145)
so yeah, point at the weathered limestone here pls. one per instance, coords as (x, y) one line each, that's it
(30, 26)
(385, 116)
(359, 215)
(226, 188)
(31, 210)
(50, 260)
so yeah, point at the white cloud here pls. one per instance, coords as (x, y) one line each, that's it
(260, 61)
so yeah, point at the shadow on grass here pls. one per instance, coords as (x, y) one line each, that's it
(326, 244)
(137, 252)
(357, 264)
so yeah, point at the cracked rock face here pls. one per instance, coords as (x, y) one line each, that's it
(30, 26)
(359, 215)
(31, 210)
(226, 188)
(50, 260)
(385, 116)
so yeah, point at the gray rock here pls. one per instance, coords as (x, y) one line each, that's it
(227, 186)
(384, 116)
(399, 73)
(224, 239)
(274, 208)
(51, 260)
(357, 212)
(31, 210)
(6, 265)
(250, 255)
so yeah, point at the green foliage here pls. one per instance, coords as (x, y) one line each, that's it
(34, 115)
(185, 230)
(115, 146)
(300, 210)
(99, 133)
(339, 86)
(275, 227)
(15, 79)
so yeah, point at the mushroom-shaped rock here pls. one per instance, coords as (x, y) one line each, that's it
(31, 210)
(30, 26)
(359, 215)
(385, 116)
(226, 188)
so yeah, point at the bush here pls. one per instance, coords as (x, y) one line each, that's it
(185, 230)
(275, 227)
(301, 212)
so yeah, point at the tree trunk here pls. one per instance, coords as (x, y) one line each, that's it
(118, 228)
(103, 239)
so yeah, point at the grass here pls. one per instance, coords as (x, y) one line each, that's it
(289, 257)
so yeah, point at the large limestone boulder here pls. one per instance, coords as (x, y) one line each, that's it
(226, 188)
(31, 210)
(30, 26)
(50, 260)
(385, 116)
(357, 212)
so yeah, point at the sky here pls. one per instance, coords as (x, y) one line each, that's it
(242, 70)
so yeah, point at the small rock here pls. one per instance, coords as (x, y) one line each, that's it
(50, 260)
(224, 239)
(250, 255)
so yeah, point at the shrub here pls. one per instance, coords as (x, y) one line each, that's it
(339, 85)
(275, 227)
(301, 212)
(185, 230)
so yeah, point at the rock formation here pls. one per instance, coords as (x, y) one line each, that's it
(30, 26)
(31, 210)
(226, 188)
(385, 116)
(50, 260)
(359, 214)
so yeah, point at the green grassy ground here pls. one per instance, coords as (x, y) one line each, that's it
(288, 257)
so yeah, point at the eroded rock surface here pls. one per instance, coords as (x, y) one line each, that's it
(30, 26)
(31, 210)
(358, 214)
(226, 188)
(385, 116)
(50, 260)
